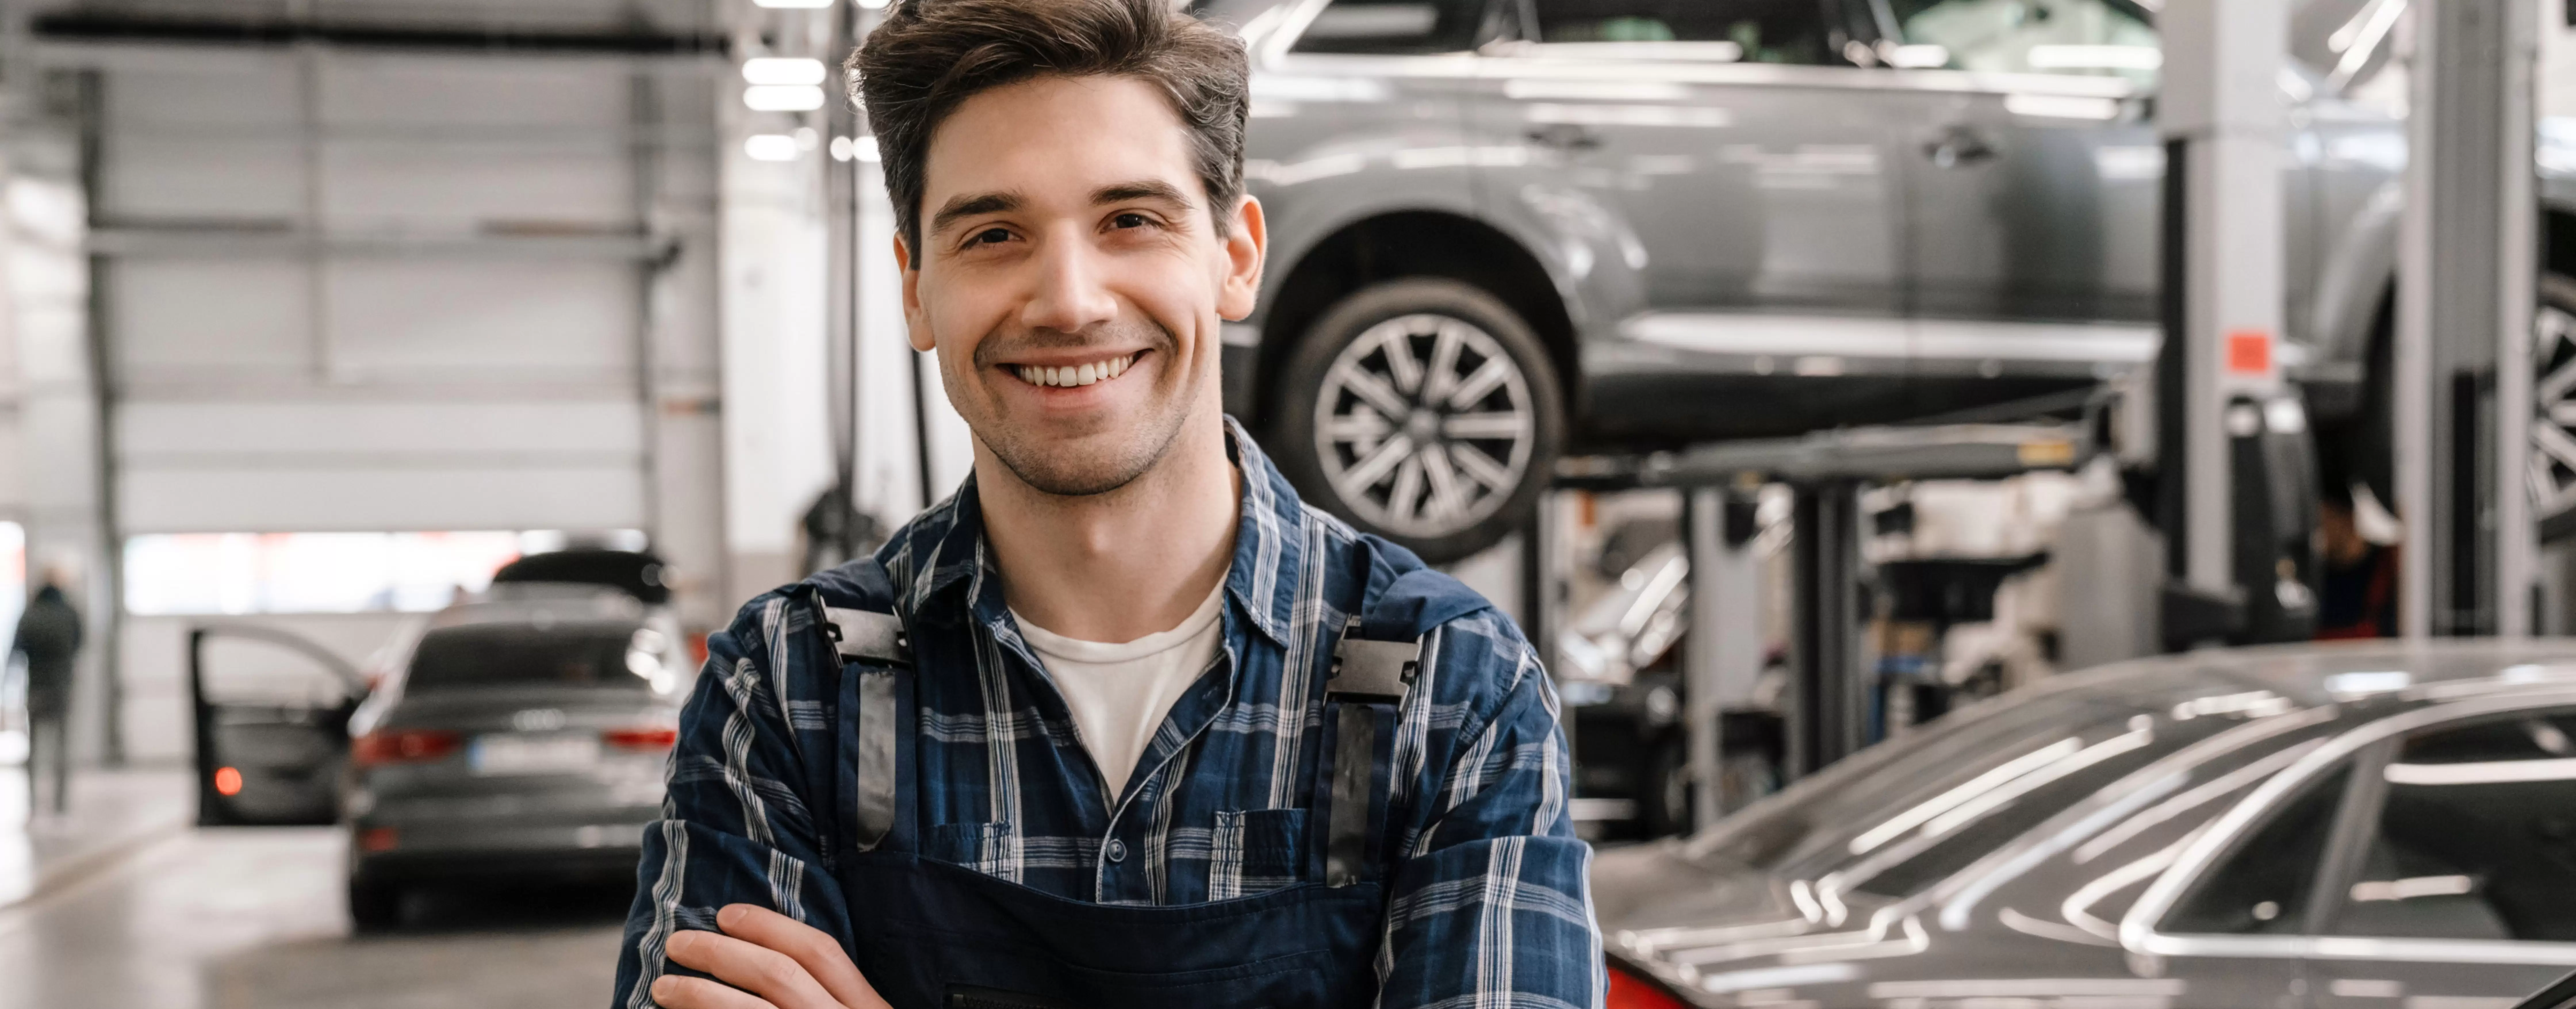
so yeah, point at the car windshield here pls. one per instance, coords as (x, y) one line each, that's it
(601, 655)
(1907, 813)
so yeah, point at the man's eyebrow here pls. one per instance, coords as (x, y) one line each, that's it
(960, 207)
(1146, 189)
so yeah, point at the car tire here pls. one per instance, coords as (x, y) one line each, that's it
(1453, 375)
(374, 906)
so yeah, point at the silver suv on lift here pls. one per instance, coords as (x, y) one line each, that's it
(1504, 229)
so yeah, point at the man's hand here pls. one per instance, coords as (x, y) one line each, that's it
(780, 962)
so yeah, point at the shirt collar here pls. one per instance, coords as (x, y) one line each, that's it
(1269, 549)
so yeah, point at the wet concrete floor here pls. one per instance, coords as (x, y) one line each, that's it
(235, 918)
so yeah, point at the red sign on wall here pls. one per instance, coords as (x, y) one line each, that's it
(2249, 352)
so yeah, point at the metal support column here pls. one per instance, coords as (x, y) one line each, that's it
(1723, 654)
(1831, 697)
(2465, 297)
(1543, 573)
(2222, 115)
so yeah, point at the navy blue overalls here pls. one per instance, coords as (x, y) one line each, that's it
(930, 933)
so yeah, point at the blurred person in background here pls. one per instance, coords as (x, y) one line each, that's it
(2359, 595)
(49, 635)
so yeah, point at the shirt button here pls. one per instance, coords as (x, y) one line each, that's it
(1116, 850)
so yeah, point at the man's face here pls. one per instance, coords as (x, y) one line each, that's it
(1071, 277)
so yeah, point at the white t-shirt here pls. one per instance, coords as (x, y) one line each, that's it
(1120, 693)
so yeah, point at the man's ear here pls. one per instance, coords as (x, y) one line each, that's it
(1247, 240)
(913, 322)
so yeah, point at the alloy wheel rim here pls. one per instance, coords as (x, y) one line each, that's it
(1425, 425)
(2553, 424)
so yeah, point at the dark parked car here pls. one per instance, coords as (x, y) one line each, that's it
(1504, 229)
(526, 736)
(2322, 827)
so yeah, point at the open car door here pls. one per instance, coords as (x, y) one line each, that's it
(272, 718)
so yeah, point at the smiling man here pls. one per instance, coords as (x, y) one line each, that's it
(1121, 723)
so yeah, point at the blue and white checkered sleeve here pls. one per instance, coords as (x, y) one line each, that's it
(734, 827)
(1493, 906)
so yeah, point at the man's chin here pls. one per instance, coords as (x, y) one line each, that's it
(1075, 468)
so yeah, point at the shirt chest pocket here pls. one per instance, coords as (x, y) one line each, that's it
(984, 847)
(1254, 851)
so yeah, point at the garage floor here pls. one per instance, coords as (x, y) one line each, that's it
(253, 917)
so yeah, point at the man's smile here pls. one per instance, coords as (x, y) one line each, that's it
(1075, 373)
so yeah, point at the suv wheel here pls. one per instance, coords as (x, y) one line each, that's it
(1422, 410)
(2553, 438)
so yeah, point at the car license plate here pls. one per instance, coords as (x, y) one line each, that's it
(494, 755)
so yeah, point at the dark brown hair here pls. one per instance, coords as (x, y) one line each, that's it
(931, 55)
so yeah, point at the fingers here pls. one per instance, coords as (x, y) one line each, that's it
(821, 956)
(671, 991)
(779, 981)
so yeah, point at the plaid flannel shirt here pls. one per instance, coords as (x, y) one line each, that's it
(1488, 899)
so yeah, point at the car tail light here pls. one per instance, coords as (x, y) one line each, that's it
(404, 746)
(375, 839)
(647, 737)
(1628, 991)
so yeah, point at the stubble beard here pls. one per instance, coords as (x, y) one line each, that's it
(1100, 461)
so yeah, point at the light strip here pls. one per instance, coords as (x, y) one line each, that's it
(2413, 887)
(2492, 772)
(1951, 799)
(2090, 756)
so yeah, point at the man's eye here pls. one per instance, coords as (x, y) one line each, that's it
(989, 236)
(1131, 220)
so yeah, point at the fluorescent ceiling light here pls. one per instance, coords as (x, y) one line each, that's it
(770, 147)
(782, 70)
(783, 97)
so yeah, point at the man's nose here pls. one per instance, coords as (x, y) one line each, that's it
(1069, 294)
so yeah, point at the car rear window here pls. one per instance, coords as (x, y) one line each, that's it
(607, 656)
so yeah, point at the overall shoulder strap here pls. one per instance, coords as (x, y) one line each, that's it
(872, 644)
(1374, 664)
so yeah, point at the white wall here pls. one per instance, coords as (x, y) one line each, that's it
(777, 434)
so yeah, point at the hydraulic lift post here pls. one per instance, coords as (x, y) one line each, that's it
(2232, 478)
(1829, 702)
(2467, 278)
(1824, 637)
(1721, 665)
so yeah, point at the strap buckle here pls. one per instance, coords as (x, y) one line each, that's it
(1373, 671)
(866, 634)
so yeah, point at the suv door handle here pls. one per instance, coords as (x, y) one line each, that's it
(1564, 137)
(1959, 144)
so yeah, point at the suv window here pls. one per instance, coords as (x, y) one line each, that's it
(2477, 837)
(2090, 37)
(2263, 886)
(1760, 31)
(615, 656)
(1394, 27)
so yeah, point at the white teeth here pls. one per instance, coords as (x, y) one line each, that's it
(1087, 374)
